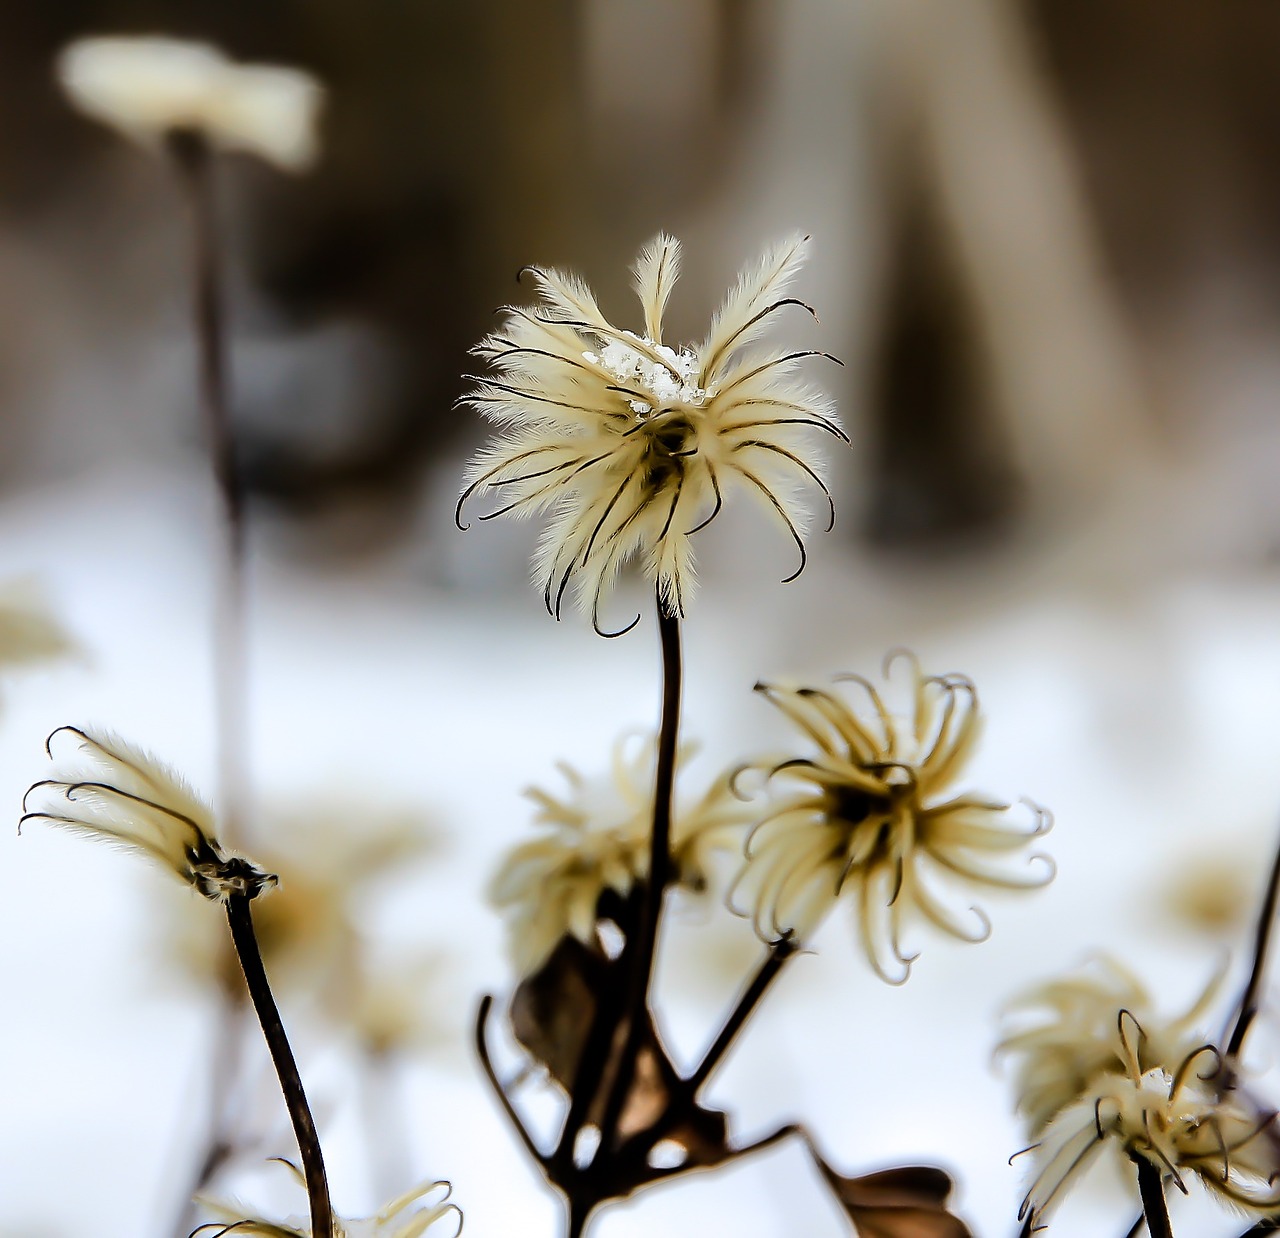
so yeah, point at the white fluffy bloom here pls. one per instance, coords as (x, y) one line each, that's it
(399, 1219)
(149, 86)
(597, 838)
(1168, 1112)
(110, 790)
(631, 443)
(866, 815)
(1064, 1034)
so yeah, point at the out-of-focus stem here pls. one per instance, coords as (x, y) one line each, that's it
(240, 918)
(1261, 940)
(192, 156)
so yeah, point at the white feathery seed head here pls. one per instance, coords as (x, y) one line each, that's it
(866, 814)
(631, 443)
(1175, 1113)
(148, 87)
(1062, 1034)
(110, 790)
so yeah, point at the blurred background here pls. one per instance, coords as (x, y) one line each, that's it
(1047, 250)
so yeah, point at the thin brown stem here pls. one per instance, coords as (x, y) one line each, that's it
(779, 952)
(240, 918)
(1262, 939)
(192, 156)
(486, 1062)
(1154, 1206)
(641, 954)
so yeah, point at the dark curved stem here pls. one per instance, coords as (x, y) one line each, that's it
(1262, 939)
(779, 952)
(240, 918)
(1154, 1207)
(642, 952)
(576, 1223)
(482, 1051)
(191, 154)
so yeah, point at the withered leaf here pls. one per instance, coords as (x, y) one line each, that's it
(906, 1202)
(574, 1009)
(553, 1010)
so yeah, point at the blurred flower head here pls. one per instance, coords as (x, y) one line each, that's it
(632, 443)
(148, 87)
(1063, 1035)
(399, 1219)
(110, 790)
(332, 853)
(864, 815)
(28, 630)
(597, 839)
(1167, 1111)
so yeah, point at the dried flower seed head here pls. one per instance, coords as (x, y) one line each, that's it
(399, 1219)
(597, 839)
(111, 790)
(1064, 1035)
(150, 87)
(1168, 1112)
(632, 443)
(863, 816)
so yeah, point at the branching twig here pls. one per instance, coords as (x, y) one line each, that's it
(486, 1062)
(779, 952)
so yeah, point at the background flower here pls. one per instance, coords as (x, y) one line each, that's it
(1065, 1035)
(597, 839)
(392, 1221)
(149, 86)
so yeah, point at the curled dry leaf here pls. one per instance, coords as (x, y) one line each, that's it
(573, 1010)
(907, 1202)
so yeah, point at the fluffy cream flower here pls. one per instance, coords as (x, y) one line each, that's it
(148, 87)
(632, 443)
(1065, 1035)
(394, 1221)
(1166, 1111)
(111, 790)
(597, 839)
(863, 817)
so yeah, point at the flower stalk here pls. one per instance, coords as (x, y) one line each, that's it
(240, 920)
(779, 953)
(643, 952)
(1154, 1207)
